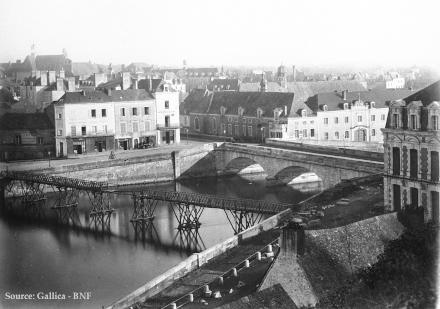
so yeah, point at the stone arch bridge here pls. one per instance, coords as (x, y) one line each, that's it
(283, 165)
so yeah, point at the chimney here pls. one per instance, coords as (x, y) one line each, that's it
(126, 80)
(62, 74)
(285, 110)
(71, 84)
(52, 77)
(294, 74)
(150, 84)
(60, 84)
(43, 78)
(135, 84)
(344, 95)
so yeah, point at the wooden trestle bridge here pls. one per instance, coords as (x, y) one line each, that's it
(31, 190)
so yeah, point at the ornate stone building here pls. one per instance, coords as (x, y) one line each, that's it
(411, 153)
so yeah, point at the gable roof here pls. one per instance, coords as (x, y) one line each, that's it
(52, 63)
(97, 96)
(24, 121)
(334, 100)
(426, 95)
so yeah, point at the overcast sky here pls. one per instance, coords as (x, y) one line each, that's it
(229, 32)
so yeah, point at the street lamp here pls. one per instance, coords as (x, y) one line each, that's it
(186, 129)
(49, 153)
(262, 135)
(224, 132)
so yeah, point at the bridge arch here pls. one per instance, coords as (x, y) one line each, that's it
(297, 176)
(243, 165)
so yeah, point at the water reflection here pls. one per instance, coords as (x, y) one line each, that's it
(67, 249)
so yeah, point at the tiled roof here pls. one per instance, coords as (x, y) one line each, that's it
(52, 63)
(98, 96)
(270, 87)
(16, 121)
(111, 84)
(196, 102)
(426, 95)
(334, 100)
(155, 84)
(250, 102)
(84, 68)
(231, 84)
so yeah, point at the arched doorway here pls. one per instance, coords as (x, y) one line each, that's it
(360, 135)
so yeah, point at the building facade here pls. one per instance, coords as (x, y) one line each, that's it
(344, 117)
(26, 136)
(242, 116)
(411, 156)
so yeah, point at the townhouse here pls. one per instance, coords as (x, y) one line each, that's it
(344, 117)
(411, 153)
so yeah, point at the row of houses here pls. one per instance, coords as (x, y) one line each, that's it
(335, 111)
(106, 118)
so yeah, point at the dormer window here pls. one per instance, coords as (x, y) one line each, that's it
(345, 105)
(222, 110)
(413, 122)
(259, 113)
(325, 108)
(276, 113)
(396, 121)
(240, 112)
(303, 113)
(372, 104)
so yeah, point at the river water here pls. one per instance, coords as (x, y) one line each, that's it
(39, 255)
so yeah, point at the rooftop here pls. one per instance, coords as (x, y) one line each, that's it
(98, 96)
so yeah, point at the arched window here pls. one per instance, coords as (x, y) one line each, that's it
(222, 110)
(345, 105)
(373, 104)
(303, 113)
(259, 113)
(325, 108)
(196, 124)
(240, 111)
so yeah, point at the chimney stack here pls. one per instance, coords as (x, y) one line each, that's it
(60, 84)
(344, 95)
(126, 80)
(135, 84)
(150, 84)
(43, 78)
(52, 77)
(71, 84)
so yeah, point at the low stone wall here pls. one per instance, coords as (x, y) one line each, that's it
(197, 260)
(353, 153)
(149, 168)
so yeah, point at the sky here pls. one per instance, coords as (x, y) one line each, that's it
(225, 32)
